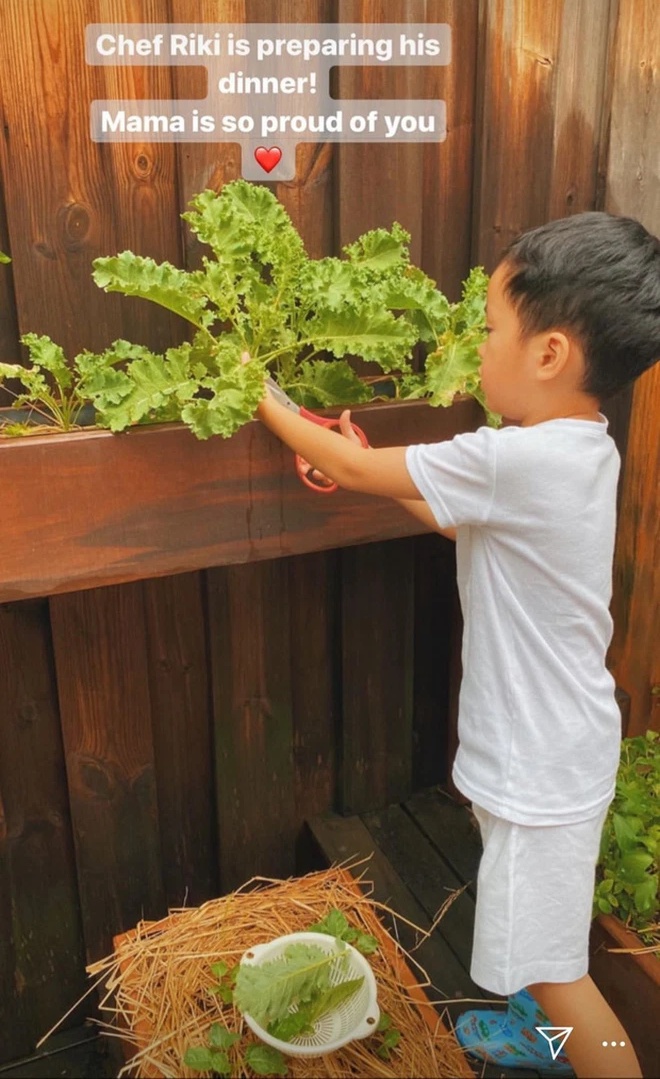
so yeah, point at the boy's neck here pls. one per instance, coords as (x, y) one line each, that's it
(576, 407)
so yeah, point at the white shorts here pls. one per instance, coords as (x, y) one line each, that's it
(535, 892)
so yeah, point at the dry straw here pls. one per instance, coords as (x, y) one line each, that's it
(158, 983)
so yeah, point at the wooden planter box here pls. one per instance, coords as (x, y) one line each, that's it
(93, 508)
(631, 985)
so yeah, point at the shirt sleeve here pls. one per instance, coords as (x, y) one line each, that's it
(456, 478)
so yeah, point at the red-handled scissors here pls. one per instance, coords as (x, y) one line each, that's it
(303, 468)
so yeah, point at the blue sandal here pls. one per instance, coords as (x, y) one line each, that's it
(510, 1038)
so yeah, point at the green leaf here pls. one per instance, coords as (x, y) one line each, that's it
(646, 895)
(221, 1038)
(4, 258)
(50, 357)
(162, 283)
(251, 235)
(320, 384)
(267, 991)
(333, 997)
(235, 395)
(334, 924)
(14, 370)
(220, 1062)
(152, 386)
(264, 1060)
(625, 832)
(292, 1025)
(453, 368)
(377, 336)
(380, 250)
(634, 866)
(199, 1057)
(218, 970)
(365, 943)
(426, 307)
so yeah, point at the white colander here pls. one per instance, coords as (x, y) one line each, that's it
(352, 1019)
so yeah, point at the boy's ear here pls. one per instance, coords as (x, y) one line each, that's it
(554, 353)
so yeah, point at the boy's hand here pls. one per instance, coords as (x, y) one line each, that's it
(344, 427)
(348, 432)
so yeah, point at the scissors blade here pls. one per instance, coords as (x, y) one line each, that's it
(281, 396)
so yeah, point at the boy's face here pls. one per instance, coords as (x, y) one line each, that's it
(507, 366)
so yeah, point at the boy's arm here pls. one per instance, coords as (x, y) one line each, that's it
(376, 472)
(423, 512)
(417, 505)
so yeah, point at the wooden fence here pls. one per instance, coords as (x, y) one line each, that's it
(163, 740)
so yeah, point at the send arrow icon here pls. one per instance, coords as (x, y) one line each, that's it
(556, 1038)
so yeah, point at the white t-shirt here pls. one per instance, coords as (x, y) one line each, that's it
(535, 509)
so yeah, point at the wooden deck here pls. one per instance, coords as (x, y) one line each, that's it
(420, 852)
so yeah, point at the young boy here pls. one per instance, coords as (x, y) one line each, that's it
(573, 315)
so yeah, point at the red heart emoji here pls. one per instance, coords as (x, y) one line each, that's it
(268, 159)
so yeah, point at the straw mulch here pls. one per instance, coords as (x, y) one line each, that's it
(158, 982)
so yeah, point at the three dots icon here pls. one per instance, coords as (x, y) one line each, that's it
(613, 1044)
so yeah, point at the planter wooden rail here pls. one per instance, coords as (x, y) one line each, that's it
(94, 508)
(630, 982)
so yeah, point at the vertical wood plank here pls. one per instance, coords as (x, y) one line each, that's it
(362, 203)
(101, 659)
(377, 651)
(180, 694)
(309, 197)
(633, 188)
(435, 584)
(633, 168)
(378, 579)
(315, 680)
(449, 165)
(581, 104)
(543, 72)
(202, 165)
(516, 70)
(314, 579)
(253, 725)
(86, 199)
(41, 952)
(9, 347)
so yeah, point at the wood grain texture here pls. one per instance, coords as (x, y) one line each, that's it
(631, 986)
(449, 173)
(435, 585)
(377, 583)
(253, 721)
(343, 838)
(93, 508)
(86, 199)
(41, 954)
(634, 656)
(633, 188)
(364, 202)
(100, 649)
(543, 71)
(203, 165)
(314, 620)
(180, 695)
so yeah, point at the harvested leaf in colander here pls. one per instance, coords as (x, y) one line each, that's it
(302, 1021)
(268, 991)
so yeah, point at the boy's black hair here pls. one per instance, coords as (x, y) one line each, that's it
(598, 276)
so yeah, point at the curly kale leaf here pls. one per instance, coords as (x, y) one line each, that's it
(162, 283)
(320, 384)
